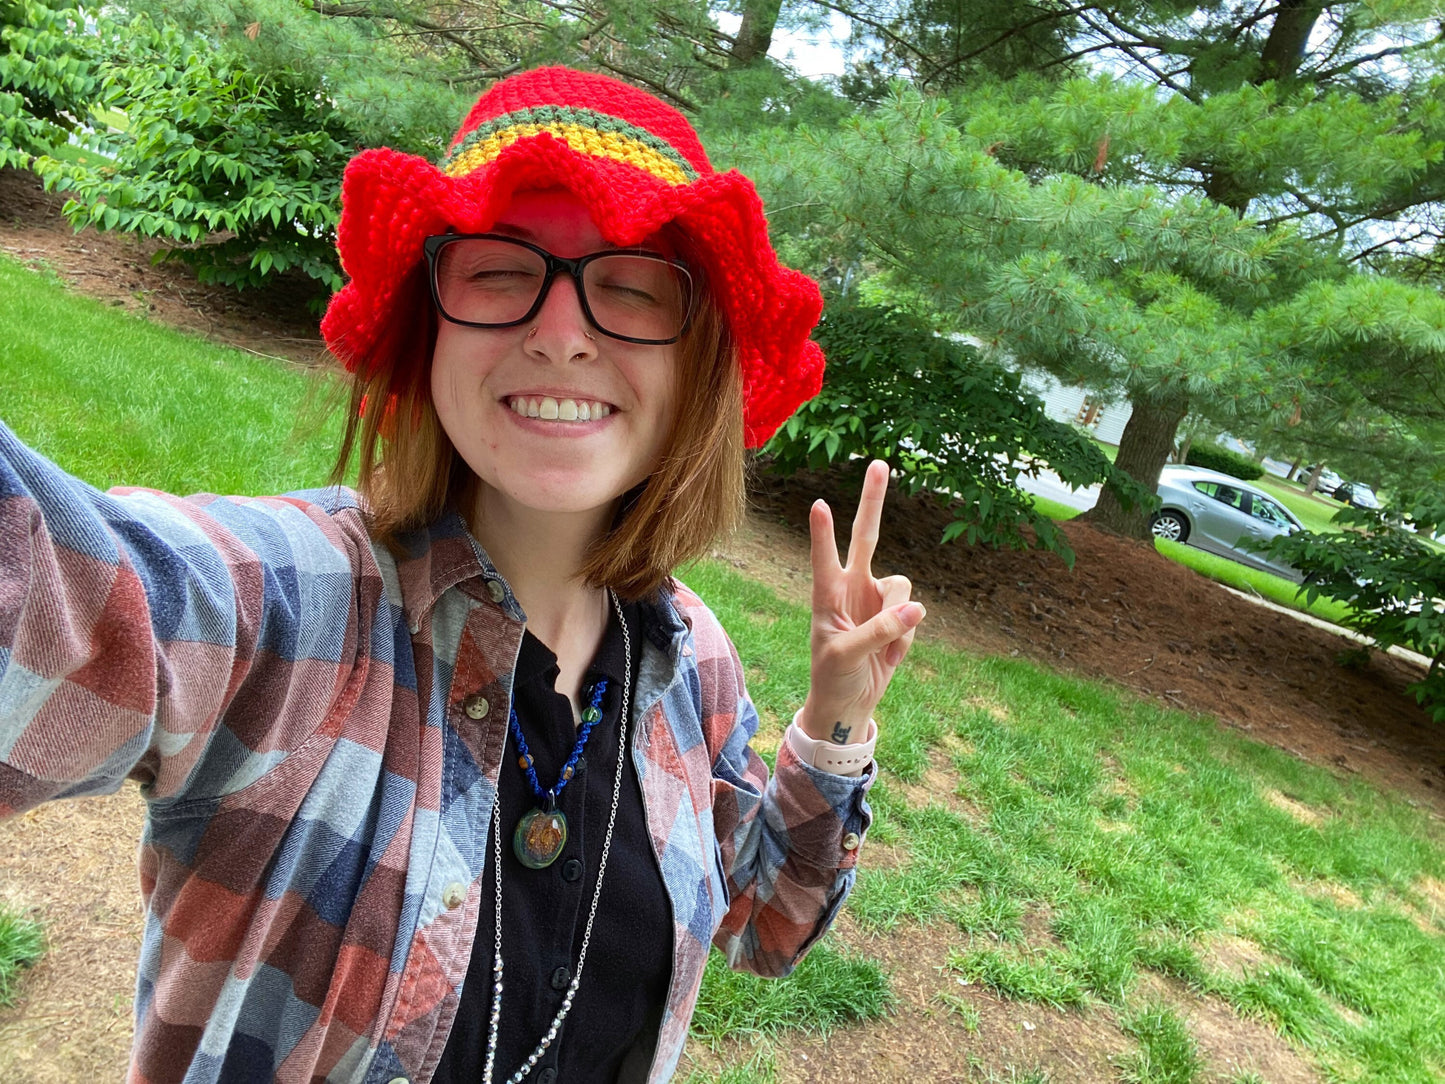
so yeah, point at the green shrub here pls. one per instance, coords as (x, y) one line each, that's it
(1391, 578)
(945, 418)
(241, 171)
(1213, 457)
(48, 77)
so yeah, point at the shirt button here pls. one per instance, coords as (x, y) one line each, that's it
(454, 895)
(580, 766)
(476, 706)
(851, 841)
(572, 870)
(547, 1076)
(496, 590)
(561, 978)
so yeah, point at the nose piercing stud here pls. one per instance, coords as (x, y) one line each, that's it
(590, 337)
(533, 333)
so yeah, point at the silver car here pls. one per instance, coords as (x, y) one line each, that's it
(1223, 515)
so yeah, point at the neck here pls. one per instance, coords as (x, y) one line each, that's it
(541, 554)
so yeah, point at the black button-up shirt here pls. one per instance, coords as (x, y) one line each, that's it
(611, 1032)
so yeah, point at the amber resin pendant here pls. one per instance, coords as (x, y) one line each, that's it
(540, 836)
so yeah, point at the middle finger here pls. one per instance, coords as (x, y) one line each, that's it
(868, 517)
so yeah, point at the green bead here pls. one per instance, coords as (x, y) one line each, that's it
(591, 714)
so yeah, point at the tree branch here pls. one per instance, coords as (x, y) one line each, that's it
(883, 30)
(1131, 50)
(1398, 50)
(681, 100)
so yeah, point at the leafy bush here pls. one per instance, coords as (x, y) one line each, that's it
(241, 170)
(1213, 457)
(951, 422)
(48, 78)
(1391, 577)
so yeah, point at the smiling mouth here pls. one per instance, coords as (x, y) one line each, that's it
(562, 410)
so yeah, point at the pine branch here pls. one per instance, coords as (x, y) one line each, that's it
(1049, 16)
(1132, 50)
(401, 15)
(1323, 74)
(902, 43)
(679, 99)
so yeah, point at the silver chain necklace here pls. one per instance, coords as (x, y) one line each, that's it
(494, 1025)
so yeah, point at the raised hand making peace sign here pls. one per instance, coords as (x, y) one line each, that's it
(862, 626)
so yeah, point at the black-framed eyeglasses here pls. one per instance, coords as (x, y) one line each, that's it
(493, 281)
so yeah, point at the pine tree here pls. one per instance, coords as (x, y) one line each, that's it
(1147, 229)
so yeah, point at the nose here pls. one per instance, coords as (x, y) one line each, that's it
(560, 331)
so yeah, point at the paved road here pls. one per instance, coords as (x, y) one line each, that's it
(1048, 485)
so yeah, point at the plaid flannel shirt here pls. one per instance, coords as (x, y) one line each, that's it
(317, 728)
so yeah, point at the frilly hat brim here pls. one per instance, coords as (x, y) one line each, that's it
(391, 202)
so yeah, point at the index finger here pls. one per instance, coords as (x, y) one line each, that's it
(868, 517)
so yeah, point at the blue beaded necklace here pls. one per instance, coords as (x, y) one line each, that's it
(542, 833)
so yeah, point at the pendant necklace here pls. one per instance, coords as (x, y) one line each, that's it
(542, 833)
(494, 1024)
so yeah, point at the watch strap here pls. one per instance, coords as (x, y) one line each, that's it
(829, 756)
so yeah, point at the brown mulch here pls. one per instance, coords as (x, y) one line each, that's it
(1123, 614)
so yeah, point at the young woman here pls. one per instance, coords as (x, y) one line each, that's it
(447, 778)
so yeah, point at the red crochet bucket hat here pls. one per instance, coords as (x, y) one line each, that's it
(636, 164)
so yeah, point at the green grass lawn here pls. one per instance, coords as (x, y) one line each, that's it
(21, 943)
(121, 401)
(1066, 839)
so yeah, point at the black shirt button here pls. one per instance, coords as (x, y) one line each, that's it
(547, 1076)
(580, 766)
(561, 978)
(572, 869)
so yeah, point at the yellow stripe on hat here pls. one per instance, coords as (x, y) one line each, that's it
(613, 145)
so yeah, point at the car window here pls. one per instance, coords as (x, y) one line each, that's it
(1265, 509)
(1221, 492)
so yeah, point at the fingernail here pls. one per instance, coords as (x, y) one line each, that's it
(916, 612)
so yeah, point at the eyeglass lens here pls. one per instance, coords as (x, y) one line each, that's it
(493, 281)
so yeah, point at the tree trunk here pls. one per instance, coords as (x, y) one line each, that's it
(1144, 448)
(755, 35)
(1293, 470)
(1288, 37)
(1314, 480)
(1183, 454)
(1279, 60)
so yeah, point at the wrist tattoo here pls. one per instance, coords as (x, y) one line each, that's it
(840, 734)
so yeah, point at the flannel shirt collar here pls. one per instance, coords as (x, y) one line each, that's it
(444, 554)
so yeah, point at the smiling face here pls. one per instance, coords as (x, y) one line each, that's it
(552, 415)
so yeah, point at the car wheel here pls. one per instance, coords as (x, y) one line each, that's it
(1169, 525)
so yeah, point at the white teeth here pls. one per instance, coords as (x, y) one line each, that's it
(550, 409)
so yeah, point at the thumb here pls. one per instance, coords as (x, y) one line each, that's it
(883, 628)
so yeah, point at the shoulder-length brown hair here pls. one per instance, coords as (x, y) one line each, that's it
(408, 472)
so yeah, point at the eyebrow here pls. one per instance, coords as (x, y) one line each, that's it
(521, 233)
